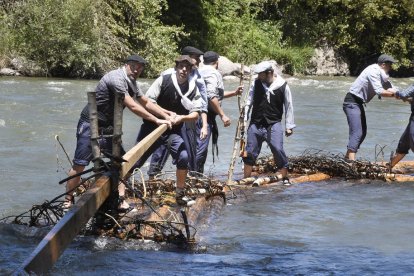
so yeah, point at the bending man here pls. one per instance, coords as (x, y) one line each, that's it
(372, 81)
(122, 81)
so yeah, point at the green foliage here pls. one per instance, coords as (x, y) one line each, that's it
(84, 38)
(360, 29)
(60, 36)
(137, 23)
(235, 31)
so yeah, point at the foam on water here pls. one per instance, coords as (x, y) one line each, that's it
(322, 228)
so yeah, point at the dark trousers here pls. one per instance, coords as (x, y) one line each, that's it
(171, 138)
(355, 114)
(407, 138)
(273, 135)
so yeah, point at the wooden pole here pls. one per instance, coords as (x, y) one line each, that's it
(117, 141)
(55, 242)
(237, 136)
(93, 120)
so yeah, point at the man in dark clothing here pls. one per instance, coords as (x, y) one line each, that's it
(160, 155)
(122, 81)
(268, 97)
(179, 97)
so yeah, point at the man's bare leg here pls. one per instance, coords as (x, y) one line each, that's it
(247, 170)
(350, 155)
(72, 183)
(397, 158)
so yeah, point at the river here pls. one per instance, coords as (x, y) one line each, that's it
(326, 228)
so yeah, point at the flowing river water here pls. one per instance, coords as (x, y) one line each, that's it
(325, 228)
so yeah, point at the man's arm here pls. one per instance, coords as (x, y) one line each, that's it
(406, 93)
(375, 80)
(289, 117)
(238, 91)
(154, 108)
(140, 111)
(215, 105)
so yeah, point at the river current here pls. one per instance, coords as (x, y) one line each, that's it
(327, 228)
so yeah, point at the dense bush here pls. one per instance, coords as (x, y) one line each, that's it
(360, 29)
(84, 38)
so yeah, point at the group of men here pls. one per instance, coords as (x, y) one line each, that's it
(374, 81)
(188, 100)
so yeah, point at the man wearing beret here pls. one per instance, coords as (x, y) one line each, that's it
(121, 81)
(215, 95)
(160, 155)
(180, 97)
(372, 81)
(269, 95)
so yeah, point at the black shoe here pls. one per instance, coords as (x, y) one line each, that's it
(286, 181)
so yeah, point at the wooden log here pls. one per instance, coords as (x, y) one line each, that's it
(54, 243)
(138, 150)
(93, 120)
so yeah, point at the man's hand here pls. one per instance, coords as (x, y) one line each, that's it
(288, 132)
(160, 122)
(177, 119)
(203, 132)
(239, 90)
(226, 120)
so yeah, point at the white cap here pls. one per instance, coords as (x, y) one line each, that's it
(263, 66)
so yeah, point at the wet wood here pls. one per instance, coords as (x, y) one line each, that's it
(55, 242)
(138, 150)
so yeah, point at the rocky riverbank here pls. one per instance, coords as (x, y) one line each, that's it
(325, 62)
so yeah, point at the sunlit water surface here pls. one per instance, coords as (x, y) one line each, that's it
(333, 227)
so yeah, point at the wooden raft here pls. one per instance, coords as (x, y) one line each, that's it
(55, 242)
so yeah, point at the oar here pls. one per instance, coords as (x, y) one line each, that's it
(55, 242)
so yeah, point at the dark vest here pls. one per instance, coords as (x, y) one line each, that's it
(169, 97)
(263, 112)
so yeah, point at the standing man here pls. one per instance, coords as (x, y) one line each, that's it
(407, 138)
(122, 81)
(268, 96)
(160, 156)
(372, 81)
(174, 93)
(215, 95)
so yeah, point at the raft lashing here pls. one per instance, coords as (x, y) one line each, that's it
(157, 217)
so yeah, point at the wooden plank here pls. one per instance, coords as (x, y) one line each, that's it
(133, 155)
(55, 242)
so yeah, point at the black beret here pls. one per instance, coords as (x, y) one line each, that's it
(210, 57)
(136, 58)
(188, 50)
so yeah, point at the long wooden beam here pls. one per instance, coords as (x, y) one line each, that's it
(55, 242)
(133, 155)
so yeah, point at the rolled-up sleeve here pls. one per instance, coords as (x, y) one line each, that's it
(201, 85)
(289, 117)
(155, 89)
(197, 102)
(249, 103)
(374, 79)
